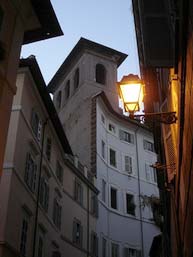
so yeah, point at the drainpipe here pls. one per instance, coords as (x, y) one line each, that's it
(38, 190)
(139, 192)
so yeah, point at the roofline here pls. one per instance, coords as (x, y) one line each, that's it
(32, 64)
(118, 115)
(81, 46)
(50, 26)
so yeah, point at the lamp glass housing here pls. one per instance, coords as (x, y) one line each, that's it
(131, 93)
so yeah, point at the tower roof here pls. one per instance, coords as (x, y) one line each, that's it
(82, 46)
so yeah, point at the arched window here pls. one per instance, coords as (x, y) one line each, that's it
(67, 90)
(58, 100)
(100, 74)
(76, 78)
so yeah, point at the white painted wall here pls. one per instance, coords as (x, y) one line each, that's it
(117, 225)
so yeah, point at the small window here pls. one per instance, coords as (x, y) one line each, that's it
(67, 90)
(94, 204)
(58, 100)
(130, 205)
(154, 175)
(48, 148)
(77, 233)
(100, 74)
(78, 192)
(128, 164)
(24, 235)
(104, 247)
(44, 194)
(150, 173)
(112, 128)
(113, 198)
(94, 244)
(114, 250)
(102, 118)
(36, 124)
(103, 190)
(76, 78)
(30, 172)
(126, 136)
(57, 213)
(112, 157)
(103, 149)
(59, 171)
(130, 252)
(148, 146)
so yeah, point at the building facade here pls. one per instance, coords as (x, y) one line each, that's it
(21, 22)
(167, 70)
(118, 151)
(48, 204)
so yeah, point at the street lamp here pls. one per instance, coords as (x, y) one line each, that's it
(131, 91)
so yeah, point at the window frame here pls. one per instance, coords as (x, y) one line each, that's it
(59, 171)
(112, 159)
(126, 136)
(104, 185)
(48, 148)
(94, 244)
(78, 191)
(36, 124)
(114, 247)
(67, 90)
(57, 213)
(103, 146)
(24, 233)
(128, 167)
(100, 74)
(59, 100)
(44, 193)
(114, 205)
(112, 128)
(104, 247)
(30, 171)
(78, 241)
(76, 78)
(130, 210)
(148, 146)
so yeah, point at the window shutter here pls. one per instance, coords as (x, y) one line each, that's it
(128, 164)
(41, 190)
(34, 177)
(81, 194)
(121, 134)
(168, 145)
(96, 246)
(47, 197)
(75, 190)
(138, 254)
(156, 28)
(126, 252)
(147, 172)
(132, 138)
(74, 232)
(27, 168)
(39, 130)
(81, 234)
(59, 216)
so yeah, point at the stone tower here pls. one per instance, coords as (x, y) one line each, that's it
(89, 69)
